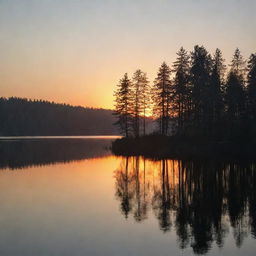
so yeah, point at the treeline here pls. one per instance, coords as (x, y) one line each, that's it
(36, 117)
(198, 96)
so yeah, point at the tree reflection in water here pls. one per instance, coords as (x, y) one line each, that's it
(201, 200)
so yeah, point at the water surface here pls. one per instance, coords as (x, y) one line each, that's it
(73, 197)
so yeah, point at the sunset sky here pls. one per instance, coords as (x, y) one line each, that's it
(75, 51)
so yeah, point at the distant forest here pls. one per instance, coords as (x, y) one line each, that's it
(24, 117)
(199, 96)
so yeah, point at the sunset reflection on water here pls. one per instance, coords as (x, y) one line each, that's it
(82, 200)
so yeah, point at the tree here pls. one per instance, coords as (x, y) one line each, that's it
(238, 64)
(215, 92)
(161, 97)
(200, 83)
(123, 104)
(145, 95)
(235, 94)
(140, 101)
(181, 90)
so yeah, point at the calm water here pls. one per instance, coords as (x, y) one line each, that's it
(72, 197)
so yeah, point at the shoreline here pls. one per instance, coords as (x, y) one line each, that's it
(157, 146)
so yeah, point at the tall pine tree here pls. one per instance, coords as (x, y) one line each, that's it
(181, 89)
(235, 94)
(145, 103)
(161, 96)
(137, 100)
(216, 92)
(200, 85)
(123, 105)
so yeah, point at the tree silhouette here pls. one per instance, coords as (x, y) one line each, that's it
(161, 96)
(235, 95)
(145, 102)
(200, 82)
(138, 85)
(181, 89)
(216, 94)
(123, 105)
(132, 103)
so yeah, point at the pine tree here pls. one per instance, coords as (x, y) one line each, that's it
(123, 105)
(200, 83)
(235, 97)
(181, 90)
(238, 64)
(145, 96)
(137, 86)
(161, 97)
(235, 94)
(215, 92)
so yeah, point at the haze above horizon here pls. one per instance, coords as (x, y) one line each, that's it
(75, 52)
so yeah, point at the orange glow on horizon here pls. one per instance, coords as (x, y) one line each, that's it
(77, 57)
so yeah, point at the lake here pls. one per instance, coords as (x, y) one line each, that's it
(71, 196)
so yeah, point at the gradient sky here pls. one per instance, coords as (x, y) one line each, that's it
(75, 51)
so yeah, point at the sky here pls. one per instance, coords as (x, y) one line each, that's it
(75, 51)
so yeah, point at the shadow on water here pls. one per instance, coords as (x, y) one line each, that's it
(16, 154)
(201, 201)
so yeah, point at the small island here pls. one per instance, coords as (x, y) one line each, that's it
(197, 108)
